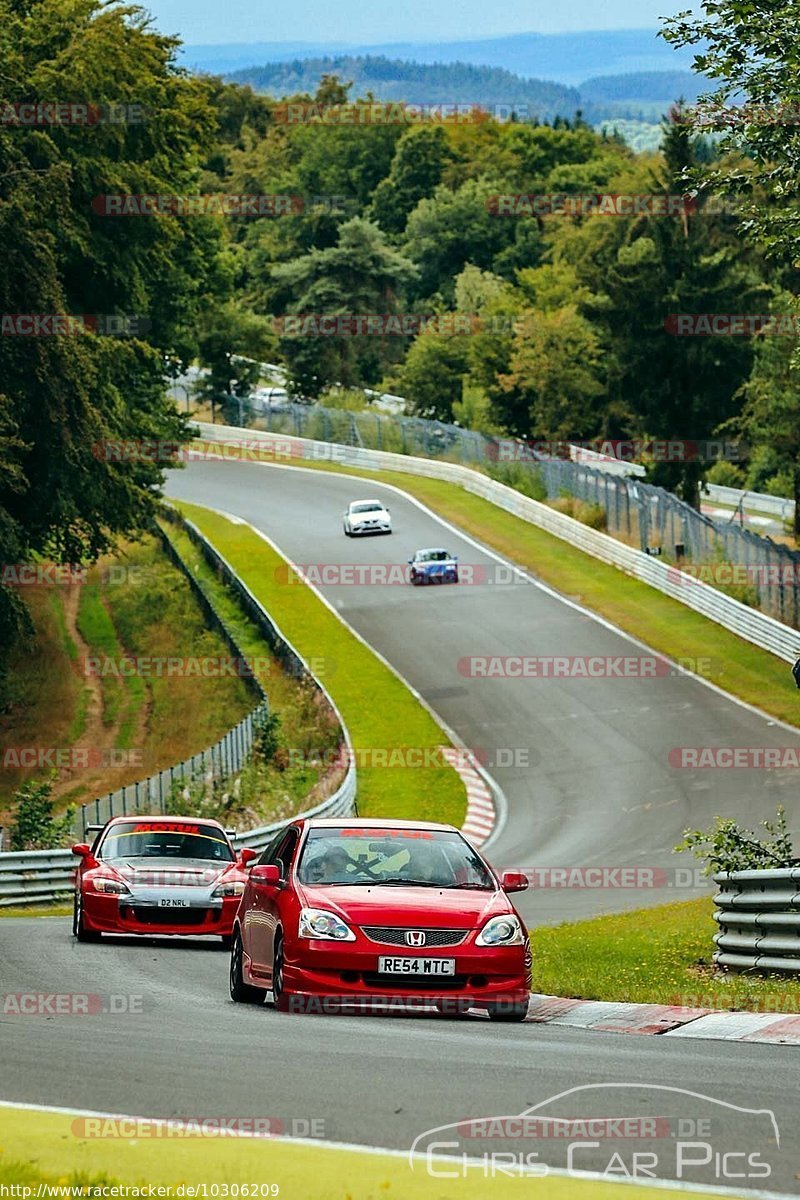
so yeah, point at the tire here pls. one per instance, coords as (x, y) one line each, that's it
(347, 532)
(279, 995)
(455, 577)
(227, 941)
(241, 992)
(516, 1011)
(79, 930)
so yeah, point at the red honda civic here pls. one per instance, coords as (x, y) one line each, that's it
(355, 913)
(163, 875)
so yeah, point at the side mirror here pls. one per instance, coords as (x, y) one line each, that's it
(82, 849)
(266, 876)
(246, 855)
(514, 881)
(411, 563)
(455, 558)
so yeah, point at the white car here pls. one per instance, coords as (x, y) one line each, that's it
(366, 516)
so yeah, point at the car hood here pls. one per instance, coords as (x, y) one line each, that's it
(453, 908)
(168, 872)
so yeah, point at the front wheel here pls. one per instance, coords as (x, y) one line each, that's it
(78, 924)
(241, 992)
(279, 996)
(505, 1011)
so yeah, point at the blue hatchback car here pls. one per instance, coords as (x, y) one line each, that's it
(433, 566)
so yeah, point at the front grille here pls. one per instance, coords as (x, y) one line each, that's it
(147, 915)
(414, 983)
(391, 935)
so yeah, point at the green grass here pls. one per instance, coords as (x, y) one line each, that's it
(59, 909)
(288, 784)
(97, 630)
(378, 709)
(43, 1147)
(656, 955)
(665, 625)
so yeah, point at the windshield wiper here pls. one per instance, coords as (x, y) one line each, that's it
(414, 882)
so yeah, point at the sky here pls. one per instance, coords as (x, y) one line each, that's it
(349, 21)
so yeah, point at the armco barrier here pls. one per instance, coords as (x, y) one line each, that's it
(758, 913)
(40, 876)
(748, 623)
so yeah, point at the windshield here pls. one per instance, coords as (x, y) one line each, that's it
(433, 556)
(160, 839)
(372, 507)
(425, 857)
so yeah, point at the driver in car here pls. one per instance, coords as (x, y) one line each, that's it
(329, 866)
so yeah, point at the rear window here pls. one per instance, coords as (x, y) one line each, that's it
(160, 839)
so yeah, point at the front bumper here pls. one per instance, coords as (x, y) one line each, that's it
(373, 527)
(132, 914)
(349, 975)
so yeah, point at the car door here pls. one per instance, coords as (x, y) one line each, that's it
(264, 907)
(254, 914)
(275, 899)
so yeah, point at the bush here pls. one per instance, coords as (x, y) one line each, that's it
(527, 480)
(593, 515)
(34, 825)
(728, 847)
(726, 474)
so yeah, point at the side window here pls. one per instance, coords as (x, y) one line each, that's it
(268, 855)
(285, 852)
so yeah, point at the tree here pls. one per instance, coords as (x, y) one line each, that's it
(360, 276)
(419, 161)
(770, 417)
(453, 228)
(232, 344)
(432, 376)
(556, 374)
(750, 49)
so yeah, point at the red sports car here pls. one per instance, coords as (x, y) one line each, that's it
(361, 913)
(159, 875)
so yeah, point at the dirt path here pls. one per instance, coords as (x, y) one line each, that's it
(97, 739)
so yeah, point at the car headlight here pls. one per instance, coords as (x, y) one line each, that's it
(234, 887)
(501, 931)
(318, 923)
(110, 887)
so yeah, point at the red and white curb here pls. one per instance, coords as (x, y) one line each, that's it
(665, 1019)
(481, 813)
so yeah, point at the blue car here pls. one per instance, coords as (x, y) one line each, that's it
(433, 566)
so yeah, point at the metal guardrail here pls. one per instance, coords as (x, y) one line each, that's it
(41, 876)
(748, 623)
(760, 502)
(758, 913)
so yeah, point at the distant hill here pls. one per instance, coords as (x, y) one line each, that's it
(417, 83)
(641, 97)
(566, 58)
(643, 85)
